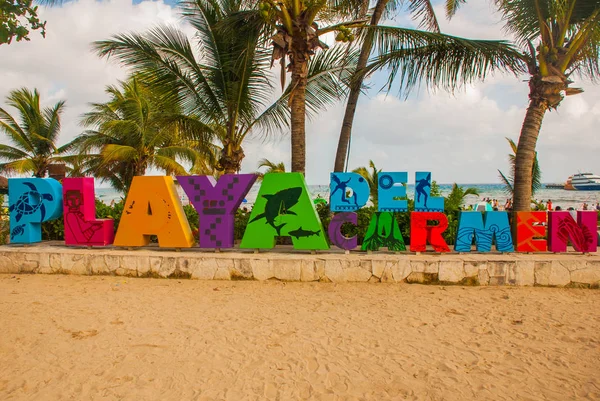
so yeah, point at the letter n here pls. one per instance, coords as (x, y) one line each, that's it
(582, 234)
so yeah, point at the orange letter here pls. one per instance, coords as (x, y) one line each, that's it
(529, 230)
(153, 208)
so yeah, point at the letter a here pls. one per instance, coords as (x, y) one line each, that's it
(283, 209)
(153, 208)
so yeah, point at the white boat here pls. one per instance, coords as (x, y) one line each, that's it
(586, 182)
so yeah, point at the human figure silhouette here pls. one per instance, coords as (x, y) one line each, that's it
(342, 185)
(420, 188)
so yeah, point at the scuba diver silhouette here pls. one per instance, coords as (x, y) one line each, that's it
(342, 185)
(420, 188)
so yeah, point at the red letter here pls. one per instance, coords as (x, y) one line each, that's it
(421, 233)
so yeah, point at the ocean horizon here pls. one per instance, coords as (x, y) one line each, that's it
(559, 197)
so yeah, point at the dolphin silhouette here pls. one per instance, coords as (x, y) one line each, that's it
(279, 204)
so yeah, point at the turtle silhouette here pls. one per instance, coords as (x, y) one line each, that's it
(24, 207)
(18, 230)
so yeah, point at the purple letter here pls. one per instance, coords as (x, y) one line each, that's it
(216, 204)
(335, 230)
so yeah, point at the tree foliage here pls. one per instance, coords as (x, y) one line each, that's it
(132, 132)
(34, 136)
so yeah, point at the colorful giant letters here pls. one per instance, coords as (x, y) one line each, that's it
(283, 208)
(79, 211)
(152, 207)
(216, 204)
(31, 202)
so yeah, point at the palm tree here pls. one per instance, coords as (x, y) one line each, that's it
(293, 29)
(271, 168)
(225, 89)
(560, 39)
(132, 132)
(372, 178)
(536, 173)
(430, 57)
(34, 136)
(456, 197)
(421, 9)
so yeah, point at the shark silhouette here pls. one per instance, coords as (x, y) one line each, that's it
(279, 204)
(303, 233)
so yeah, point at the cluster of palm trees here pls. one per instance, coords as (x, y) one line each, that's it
(190, 104)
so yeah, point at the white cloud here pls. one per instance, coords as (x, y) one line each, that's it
(459, 138)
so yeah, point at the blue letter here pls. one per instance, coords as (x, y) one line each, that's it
(471, 225)
(423, 203)
(31, 201)
(347, 192)
(390, 186)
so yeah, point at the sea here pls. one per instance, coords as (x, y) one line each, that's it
(559, 197)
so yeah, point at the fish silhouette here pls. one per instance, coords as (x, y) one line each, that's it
(303, 233)
(278, 204)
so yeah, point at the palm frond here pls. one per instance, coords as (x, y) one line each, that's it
(437, 60)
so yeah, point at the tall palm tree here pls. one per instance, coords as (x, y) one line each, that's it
(372, 178)
(560, 39)
(430, 57)
(293, 28)
(509, 181)
(34, 136)
(132, 132)
(226, 87)
(422, 9)
(271, 168)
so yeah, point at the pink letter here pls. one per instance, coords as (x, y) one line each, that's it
(81, 225)
(562, 227)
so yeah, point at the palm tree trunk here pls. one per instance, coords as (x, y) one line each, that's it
(526, 154)
(298, 110)
(365, 52)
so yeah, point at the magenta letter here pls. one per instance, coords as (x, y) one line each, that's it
(81, 225)
(562, 227)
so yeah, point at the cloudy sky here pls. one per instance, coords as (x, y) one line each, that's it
(459, 137)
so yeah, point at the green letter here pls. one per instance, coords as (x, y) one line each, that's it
(283, 209)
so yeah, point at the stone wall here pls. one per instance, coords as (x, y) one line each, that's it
(567, 269)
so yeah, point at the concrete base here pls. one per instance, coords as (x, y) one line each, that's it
(568, 269)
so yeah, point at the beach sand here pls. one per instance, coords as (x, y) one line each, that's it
(115, 338)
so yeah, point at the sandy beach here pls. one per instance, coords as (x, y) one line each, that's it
(110, 338)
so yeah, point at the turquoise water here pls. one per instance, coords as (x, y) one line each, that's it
(559, 197)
